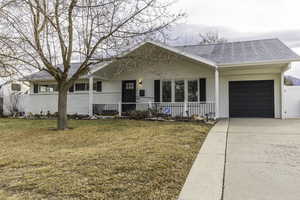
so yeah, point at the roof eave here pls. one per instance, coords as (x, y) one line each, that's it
(283, 61)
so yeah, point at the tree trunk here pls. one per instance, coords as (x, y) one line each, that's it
(62, 120)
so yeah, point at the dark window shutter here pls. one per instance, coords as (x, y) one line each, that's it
(202, 89)
(35, 88)
(71, 89)
(157, 90)
(99, 86)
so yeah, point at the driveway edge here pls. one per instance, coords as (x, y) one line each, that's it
(205, 180)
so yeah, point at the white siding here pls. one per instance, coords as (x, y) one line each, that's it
(292, 101)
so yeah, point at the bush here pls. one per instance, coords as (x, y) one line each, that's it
(109, 112)
(137, 115)
(78, 116)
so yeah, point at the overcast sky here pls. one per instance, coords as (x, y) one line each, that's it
(243, 20)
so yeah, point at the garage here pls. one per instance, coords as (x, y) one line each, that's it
(251, 99)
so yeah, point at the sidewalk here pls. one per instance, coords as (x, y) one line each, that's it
(205, 180)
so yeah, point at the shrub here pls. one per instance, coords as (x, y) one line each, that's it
(78, 116)
(137, 115)
(109, 112)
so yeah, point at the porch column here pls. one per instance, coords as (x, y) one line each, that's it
(217, 95)
(186, 99)
(91, 95)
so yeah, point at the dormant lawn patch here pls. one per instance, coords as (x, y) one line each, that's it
(106, 159)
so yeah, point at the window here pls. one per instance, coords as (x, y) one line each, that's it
(179, 91)
(48, 88)
(15, 87)
(81, 87)
(129, 86)
(35, 88)
(193, 91)
(166, 91)
(97, 86)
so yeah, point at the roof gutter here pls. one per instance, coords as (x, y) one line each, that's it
(260, 63)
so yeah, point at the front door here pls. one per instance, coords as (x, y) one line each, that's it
(128, 95)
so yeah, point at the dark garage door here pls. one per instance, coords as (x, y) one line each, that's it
(251, 99)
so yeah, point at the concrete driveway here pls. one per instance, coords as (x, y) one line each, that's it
(263, 160)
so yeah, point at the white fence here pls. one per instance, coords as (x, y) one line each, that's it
(35, 103)
(174, 109)
(292, 101)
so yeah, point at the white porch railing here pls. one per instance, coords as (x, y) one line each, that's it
(202, 109)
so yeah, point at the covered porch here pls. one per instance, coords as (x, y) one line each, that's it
(165, 79)
(180, 97)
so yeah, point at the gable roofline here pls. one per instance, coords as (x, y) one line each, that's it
(163, 46)
(182, 53)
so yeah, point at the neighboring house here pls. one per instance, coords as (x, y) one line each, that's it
(11, 94)
(292, 81)
(236, 79)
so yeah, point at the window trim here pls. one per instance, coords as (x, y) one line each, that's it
(185, 89)
(18, 85)
(47, 86)
(74, 91)
(95, 83)
(86, 87)
(198, 89)
(161, 90)
(87, 83)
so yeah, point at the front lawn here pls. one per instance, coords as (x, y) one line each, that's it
(106, 159)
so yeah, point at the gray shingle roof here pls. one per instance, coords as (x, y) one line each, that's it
(268, 50)
(231, 53)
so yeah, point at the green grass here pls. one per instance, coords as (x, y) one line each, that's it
(103, 159)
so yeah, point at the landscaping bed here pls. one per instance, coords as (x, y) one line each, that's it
(99, 159)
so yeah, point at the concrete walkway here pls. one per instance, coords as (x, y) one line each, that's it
(205, 180)
(263, 160)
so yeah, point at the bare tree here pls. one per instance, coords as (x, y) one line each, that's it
(50, 34)
(211, 38)
(6, 69)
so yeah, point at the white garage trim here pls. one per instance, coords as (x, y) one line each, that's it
(224, 91)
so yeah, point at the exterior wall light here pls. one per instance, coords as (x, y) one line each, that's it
(140, 83)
